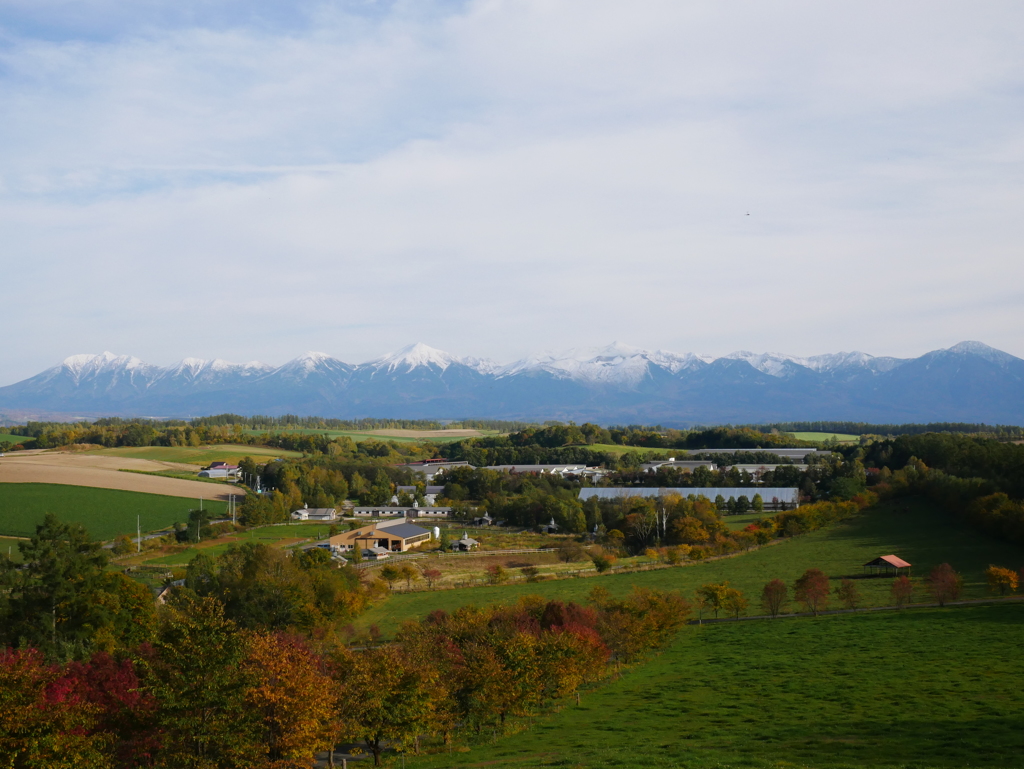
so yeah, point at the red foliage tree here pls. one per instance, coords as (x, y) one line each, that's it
(812, 590)
(774, 596)
(944, 584)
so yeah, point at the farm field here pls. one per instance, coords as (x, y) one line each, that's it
(921, 689)
(103, 472)
(841, 437)
(196, 455)
(915, 530)
(435, 436)
(105, 513)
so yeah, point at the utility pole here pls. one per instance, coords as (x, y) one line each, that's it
(138, 529)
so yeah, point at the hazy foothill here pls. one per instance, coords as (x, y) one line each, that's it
(375, 585)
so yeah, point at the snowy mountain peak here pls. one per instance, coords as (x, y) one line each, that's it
(414, 356)
(982, 351)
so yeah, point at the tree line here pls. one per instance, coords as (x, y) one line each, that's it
(247, 664)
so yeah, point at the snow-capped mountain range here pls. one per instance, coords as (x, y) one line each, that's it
(967, 382)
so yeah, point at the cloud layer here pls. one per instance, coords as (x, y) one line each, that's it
(250, 180)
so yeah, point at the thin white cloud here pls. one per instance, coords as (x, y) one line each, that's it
(500, 177)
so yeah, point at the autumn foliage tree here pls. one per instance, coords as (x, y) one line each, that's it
(902, 590)
(293, 694)
(812, 590)
(944, 584)
(848, 594)
(774, 596)
(1001, 580)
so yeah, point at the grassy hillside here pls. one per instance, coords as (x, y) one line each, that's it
(106, 513)
(6, 439)
(268, 535)
(841, 437)
(928, 689)
(198, 455)
(915, 530)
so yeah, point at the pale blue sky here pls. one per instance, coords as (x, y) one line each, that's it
(250, 180)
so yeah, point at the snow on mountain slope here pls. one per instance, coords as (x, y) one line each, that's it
(615, 364)
(420, 355)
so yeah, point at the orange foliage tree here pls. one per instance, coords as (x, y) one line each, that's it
(292, 692)
(1001, 580)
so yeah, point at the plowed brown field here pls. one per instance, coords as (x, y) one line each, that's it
(103, 472)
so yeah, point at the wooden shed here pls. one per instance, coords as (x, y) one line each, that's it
(887, 564)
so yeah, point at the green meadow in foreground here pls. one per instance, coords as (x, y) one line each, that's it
(921, 689)
(105, 513)
(914, 529)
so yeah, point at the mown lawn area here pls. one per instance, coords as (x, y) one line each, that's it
(197, 455)
(919, 689)
(105, 513)
(916, 530)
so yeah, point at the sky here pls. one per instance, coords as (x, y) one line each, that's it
(252, 179)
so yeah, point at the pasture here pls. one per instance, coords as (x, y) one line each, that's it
(919, 689)
(274, 536)
(916, 530)
(819, 437)
(105, 513)
(6, 439)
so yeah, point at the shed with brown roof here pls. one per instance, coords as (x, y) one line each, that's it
(887, 564)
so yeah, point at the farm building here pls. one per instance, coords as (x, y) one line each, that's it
(678, 464)
(219, 470)
(887, 564)
(395, 511)
(430, 493)
(315, 514)
(393, 536)
(465, 544)
(428, 468)
(758, 470)
(773, 498)
(799, 455)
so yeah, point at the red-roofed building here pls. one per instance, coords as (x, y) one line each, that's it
(887, 564)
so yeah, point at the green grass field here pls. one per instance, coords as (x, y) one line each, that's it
(9, 547)
(6, 439)
(197, 455)
(737, 522)
(106, 513)
(915, 530)
(268, 535)
(362, 435)
(841, 437)
(920, 689)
